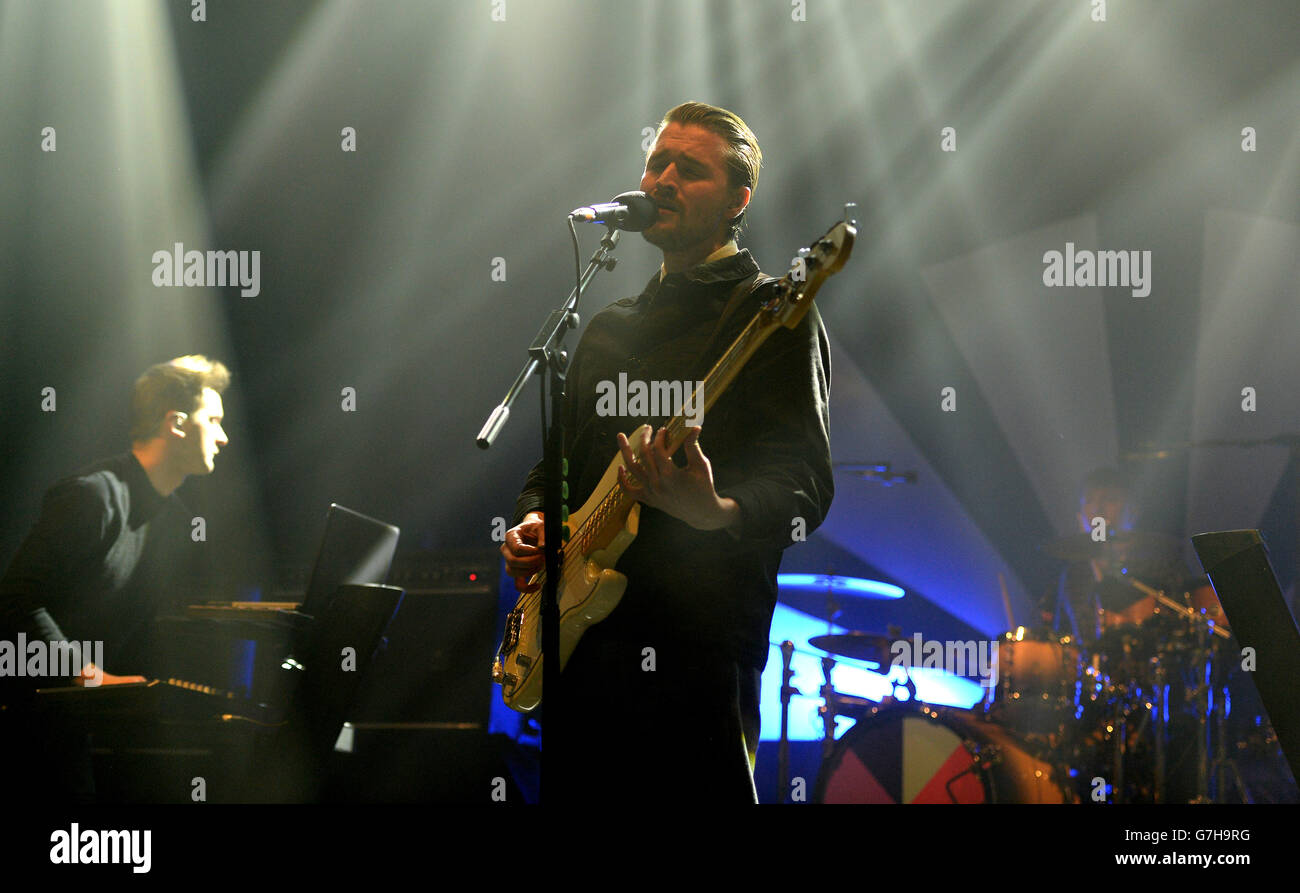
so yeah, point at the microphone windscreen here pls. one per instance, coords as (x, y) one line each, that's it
(642, 212)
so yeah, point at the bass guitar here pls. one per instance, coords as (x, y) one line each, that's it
(600, 531)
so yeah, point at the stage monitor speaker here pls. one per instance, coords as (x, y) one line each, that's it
(435, 669)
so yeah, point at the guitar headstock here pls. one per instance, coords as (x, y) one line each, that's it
(822, 259)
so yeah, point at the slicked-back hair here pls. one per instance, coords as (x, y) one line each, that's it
(743, 157)
(176, 385)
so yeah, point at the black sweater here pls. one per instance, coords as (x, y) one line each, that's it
(96, 563)
(767, 439)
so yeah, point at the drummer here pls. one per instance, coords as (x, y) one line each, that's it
(1093, 592)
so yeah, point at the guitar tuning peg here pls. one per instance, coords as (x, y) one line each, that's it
(849, 209)
(804, 252)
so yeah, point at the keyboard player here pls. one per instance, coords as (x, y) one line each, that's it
(96, 564)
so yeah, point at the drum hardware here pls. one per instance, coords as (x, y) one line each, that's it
(1119, 727)
(1144, 713)
(857, 645)
(863, 646)
(1160, 709)
(1212, 774)
(1198, 642)
(787, 692)
(1131, 670)
(983, 760)
(1128, 675)
(1198, 698)
(835, 704)
(1185, 611)
(829, 709)
(1223, 763)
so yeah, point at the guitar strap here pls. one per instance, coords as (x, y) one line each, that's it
(739, 295)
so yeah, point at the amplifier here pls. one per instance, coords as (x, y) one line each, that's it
(437, 664)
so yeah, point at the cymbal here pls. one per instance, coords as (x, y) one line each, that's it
(857, 645)
(1129, 543)
(812, 593)
(834, 584)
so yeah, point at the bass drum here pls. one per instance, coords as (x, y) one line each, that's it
(906, 754)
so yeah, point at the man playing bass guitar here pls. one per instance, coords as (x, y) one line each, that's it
(661, 698)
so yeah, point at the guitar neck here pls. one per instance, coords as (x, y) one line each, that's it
(791, 297)
(615, 502)
(722, 374)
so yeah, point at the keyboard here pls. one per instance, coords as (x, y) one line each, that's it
(156, 698)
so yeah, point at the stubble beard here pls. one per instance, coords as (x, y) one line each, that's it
(677, 239)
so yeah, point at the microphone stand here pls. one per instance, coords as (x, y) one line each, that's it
(546, 351)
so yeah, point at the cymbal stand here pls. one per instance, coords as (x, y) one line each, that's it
(787, 692)
(1201, 696)
(1224, 769)
(1160, 708)
(1120, 731)
(827, 710)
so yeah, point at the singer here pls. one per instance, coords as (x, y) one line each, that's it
(662, 697)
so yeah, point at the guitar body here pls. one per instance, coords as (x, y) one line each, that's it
(599, 532)
(587, 594)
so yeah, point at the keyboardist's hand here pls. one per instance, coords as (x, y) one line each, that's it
(92, 676)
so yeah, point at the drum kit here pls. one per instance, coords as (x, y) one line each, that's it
(1139, 713)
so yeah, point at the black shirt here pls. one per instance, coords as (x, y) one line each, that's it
(702, 600)
(767, 439)
(97, 563)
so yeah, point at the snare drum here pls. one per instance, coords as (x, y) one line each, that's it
(905, 753)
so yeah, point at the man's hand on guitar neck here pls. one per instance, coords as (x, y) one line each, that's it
(685, 493)
(523, 550)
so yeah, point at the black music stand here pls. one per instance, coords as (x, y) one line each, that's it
(356, 617)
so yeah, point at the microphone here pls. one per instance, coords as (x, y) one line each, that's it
(631, 211)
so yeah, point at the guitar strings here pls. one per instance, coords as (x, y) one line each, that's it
(611, 502)
(590, 527)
